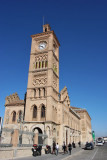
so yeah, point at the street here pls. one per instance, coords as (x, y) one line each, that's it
(99, 153)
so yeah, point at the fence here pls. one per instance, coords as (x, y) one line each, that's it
(19, 138)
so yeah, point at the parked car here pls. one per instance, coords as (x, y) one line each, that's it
(99, 141)
(89, 146)
(99, 144)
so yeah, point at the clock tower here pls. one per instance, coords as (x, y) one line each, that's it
(45, 115)
(43, 80)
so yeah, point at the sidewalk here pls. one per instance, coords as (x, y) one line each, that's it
(60, 156)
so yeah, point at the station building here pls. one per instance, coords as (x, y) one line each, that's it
(45, 111)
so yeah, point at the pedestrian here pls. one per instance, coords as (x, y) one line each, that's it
(57, 149)
(79, 143)
(69, 148)
(64, 147)
(73, 144)
(54, 146)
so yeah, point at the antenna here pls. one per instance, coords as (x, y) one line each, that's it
(43, 20)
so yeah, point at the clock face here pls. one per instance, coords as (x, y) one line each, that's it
(42, 45)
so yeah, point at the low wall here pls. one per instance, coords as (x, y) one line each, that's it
(10, 153)
(6, 153)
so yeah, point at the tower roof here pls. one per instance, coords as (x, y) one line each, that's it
(46, 31)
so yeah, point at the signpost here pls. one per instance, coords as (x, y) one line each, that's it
(93, 135)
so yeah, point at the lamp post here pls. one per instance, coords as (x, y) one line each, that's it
(21, 121)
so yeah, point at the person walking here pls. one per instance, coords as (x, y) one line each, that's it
(73, 144)
(79, 143)
(64, 147)
(54, 146)
(69, 148)
(57, 149)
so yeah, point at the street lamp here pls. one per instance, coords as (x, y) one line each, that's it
(21, 121)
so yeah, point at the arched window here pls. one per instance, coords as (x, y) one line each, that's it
(34, 112)
(36, 64)
(39, 64)
(20, 116)
(46, 64)
(42, 64)
(39, 92)
(14, 117)
(43, 111)
(34, 92)
(44, 92)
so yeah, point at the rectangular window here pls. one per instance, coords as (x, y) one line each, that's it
(39, 64)
(46, 64)
(36, 64)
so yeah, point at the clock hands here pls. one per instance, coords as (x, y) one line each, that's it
(42, 45)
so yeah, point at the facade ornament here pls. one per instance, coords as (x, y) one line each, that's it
(11, 98)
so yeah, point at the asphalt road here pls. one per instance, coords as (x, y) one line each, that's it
(99, 153)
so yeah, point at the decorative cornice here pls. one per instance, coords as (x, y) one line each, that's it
(16, 103)
(38, 53)
(45, 121)
(44, 69)
(74, 113)
(41, 34)
(80, 110)
(41, 98)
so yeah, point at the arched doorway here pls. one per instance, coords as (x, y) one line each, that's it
(38, 136)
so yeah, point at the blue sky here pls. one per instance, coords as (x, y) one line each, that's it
(81, 28)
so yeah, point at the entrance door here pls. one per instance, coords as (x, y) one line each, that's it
(38, 136)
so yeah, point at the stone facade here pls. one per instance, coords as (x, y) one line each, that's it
(85, 122)
(45, 110)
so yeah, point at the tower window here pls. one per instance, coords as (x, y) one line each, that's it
(42, 64)
(36, 64)
(35, 112)
(20, 116)
(46, 64)
(45, 29)
(43, 112)
(14, 117)
(44, 92)
(39, 64)
(34, 92)
(39, 92)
